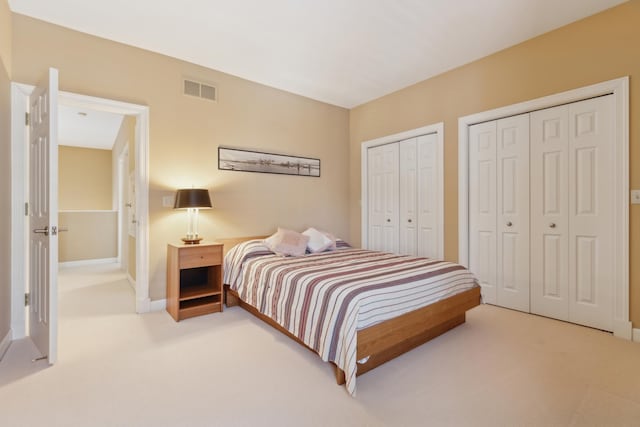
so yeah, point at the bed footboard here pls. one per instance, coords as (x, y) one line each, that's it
(388, 340)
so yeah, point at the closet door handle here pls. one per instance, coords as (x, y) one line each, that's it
(509, 224)
(388, 220)
(44, 231)
(552, 225)
(408, 220)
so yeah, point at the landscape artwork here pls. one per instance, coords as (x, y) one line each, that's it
(254, 161)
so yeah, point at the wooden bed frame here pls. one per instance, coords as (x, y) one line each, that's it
(389, 339)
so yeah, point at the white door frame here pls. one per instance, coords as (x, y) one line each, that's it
(19, 193)
(438, 129)
(619, 88)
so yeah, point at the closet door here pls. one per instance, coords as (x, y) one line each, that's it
(383, 197)
(512, 148)
(482, 207)
(408, 242)
(428, 234)
(591, 214)
(572, 220)
(549, 212)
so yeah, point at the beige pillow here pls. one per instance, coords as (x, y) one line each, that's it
(287, 243)
(318, 240)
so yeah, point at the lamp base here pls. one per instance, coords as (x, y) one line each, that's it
(192, 241)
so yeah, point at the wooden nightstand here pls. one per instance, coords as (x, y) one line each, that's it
(194, 279)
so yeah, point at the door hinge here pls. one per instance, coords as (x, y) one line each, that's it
(26, 119)
(26, 209)
(26, 299)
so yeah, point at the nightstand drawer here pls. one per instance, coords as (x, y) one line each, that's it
(200, 256)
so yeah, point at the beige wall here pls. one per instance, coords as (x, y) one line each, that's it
(85, 184)
(5, 170)
(599, 48)
(5, 35)
(84, 178)
(90, 235)
(185, 133)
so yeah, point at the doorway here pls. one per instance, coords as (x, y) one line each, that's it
(20, 94)
(91, 146)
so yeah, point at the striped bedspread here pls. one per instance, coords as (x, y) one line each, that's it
(324, 299)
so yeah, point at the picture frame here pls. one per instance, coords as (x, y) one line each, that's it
(240, 160)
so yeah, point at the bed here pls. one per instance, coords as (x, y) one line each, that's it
(355, 308)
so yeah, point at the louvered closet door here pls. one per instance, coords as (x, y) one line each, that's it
(549, 212)
(428, 234)
(383, 197)
(482, 207)
(513, 212)
(408, 243)
(591, 214)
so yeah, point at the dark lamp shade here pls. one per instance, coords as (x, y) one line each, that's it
(192, 198)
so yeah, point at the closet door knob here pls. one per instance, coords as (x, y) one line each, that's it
(509, 224)
(552, 225)
(409, 220)
(388, 220)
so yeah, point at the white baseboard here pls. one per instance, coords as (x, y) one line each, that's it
(5, 343)
(85, 262)
(131, 281)
(158, 305)
(146, 305)
(143, 305)
(636, 335)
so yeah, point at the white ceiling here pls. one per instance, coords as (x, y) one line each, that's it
(344, 52)
(80, 127)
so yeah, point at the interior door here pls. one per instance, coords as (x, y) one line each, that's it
(512, 148)
(43, 216)
(591, 213)
(428, 230)
(482, 207)
(408, 244)
(549, 212)
(383, 197)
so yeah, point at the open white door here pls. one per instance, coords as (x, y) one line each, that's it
(43, 216)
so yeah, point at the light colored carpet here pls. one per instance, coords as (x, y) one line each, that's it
(117, 368)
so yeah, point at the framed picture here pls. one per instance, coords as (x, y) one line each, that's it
(232, 159)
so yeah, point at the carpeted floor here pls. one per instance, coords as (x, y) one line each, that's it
(117, 368)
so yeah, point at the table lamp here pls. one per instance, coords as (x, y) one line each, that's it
(192, 199)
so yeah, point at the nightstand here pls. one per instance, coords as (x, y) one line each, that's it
(194, 279)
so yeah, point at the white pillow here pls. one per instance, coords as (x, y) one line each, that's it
(318, 241)
(287, 242)
(333, 238)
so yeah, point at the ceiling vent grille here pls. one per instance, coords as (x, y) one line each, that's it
(200, 90)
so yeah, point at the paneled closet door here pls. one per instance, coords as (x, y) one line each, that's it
(572, 220)
(591, 214)
(408, 243)
(428, 234)
(549, 212)
(512, 147)
(383, 197)
(482, 207)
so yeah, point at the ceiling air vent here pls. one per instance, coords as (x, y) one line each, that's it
(201, 90)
